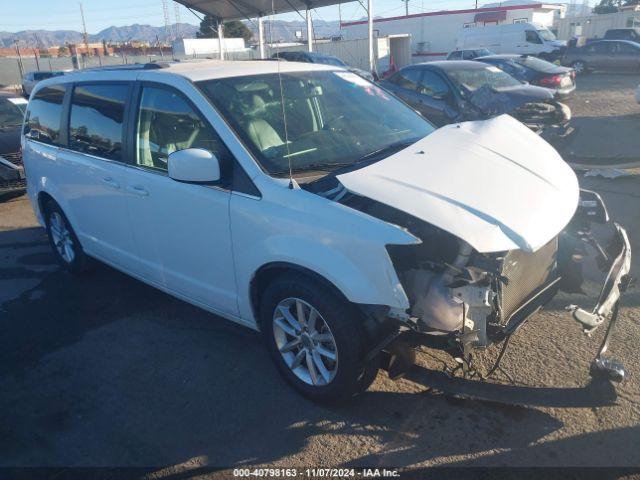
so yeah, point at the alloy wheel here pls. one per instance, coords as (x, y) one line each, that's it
(305, 341)
(61, 237)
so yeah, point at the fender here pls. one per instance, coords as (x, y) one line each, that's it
(344, 246)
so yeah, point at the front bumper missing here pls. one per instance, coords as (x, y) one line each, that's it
(398, 344)
(616, 283)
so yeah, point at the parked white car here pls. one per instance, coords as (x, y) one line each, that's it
(303, 201)
(518, 38)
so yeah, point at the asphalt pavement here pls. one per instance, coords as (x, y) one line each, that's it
(102, 370)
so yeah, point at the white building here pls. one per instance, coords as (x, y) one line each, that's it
(594, 26)
(433, 34)
(207, 46)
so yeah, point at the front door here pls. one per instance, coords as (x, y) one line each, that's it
(182, 230)
(436, 99)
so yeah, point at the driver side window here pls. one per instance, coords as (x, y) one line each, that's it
(532, 37)
(167, 123)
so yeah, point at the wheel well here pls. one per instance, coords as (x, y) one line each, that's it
(43, 199)
(373, 317)
(267, 273)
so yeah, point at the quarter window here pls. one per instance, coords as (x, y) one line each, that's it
(97, 116)
(45, 111)
(167, 123)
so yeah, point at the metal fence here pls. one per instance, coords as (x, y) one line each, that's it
(10, 67)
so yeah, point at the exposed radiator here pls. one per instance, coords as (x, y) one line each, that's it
(525, 272)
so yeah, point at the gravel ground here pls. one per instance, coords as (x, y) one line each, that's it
(103, 370)
(604, 107)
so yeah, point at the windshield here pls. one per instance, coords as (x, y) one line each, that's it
(474, 78)
(483, 52)
(333, 118)
(10, 113)
(546, 35)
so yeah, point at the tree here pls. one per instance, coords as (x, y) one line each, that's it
(607, 6)
(232, 29)
(612, 6)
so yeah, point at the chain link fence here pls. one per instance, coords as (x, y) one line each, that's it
(10, 66)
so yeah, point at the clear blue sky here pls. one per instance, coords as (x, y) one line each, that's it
(65, 14)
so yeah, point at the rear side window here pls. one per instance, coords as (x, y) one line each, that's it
(455, 55)
(96, 119)
(44, 115)
(407, 78)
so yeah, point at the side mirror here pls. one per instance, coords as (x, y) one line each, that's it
(194, 165)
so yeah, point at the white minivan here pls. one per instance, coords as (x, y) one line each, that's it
(303, 201)
(519, 38)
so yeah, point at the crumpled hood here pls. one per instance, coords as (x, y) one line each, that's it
(505, 100)
(493, 183)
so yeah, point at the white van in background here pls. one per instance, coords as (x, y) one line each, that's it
(520, 38)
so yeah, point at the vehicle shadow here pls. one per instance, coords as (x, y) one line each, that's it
(103, 370)
(579, 451)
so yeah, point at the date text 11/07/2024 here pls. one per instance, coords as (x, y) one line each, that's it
(317, 472)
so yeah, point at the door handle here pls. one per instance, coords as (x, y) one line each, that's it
(138, 190)
(111, 182)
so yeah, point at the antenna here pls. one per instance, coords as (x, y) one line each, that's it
(284, 113)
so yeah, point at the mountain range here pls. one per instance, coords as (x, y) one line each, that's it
(277, 30)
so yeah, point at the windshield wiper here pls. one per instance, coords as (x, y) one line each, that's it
(387, 150)
(322, 167)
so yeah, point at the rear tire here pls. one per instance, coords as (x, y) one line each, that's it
(319, 354)
(63, 240)
(580, 67)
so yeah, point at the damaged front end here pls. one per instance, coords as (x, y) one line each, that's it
(462, 300)
(545, 116)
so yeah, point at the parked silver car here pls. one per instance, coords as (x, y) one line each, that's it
(30, 79)
(604, 55)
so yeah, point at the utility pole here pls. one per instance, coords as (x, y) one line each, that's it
(159, 45)
(36, 52)
(85, 36)
(176, 11)
(406, 7)
(20, 65)
(167, 22)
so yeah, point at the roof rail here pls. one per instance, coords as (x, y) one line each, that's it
(128, 66)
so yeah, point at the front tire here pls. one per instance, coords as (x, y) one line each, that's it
(314, 338)
(63, 240)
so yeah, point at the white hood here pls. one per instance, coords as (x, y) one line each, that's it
(493, 183)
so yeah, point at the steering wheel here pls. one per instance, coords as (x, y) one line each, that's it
(330, 125)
